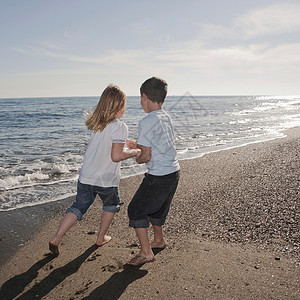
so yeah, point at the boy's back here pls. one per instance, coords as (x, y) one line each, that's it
(156, 131)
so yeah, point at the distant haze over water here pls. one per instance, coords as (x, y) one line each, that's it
(43, 139)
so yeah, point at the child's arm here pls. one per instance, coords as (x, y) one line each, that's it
(118, 153)
(131, 144)
(145, 155)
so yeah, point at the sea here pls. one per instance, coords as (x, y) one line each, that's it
(43, 140)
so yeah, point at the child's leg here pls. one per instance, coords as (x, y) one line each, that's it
(159, 240)
(146, 254)
(66, 223)
(142, 234)
(106, 220)
(111, 205)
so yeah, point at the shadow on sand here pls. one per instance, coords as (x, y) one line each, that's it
(115, 286)
(112, 289)
(14, 286)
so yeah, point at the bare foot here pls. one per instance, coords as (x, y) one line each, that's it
(154, 245)
(161, 245)
(139, 259)
(105, 240)
(53, 248)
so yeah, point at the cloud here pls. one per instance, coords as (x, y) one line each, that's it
(188, 65)
(190, 56)
(198, 57)
(125, 56)
(49, 44)
(145, 27)
(275, 19)
(236, 60)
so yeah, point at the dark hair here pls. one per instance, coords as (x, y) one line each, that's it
(155, 88)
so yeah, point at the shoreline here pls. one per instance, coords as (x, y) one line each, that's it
(19, 226)
(14, 235)
(234, 210)
(181, 159)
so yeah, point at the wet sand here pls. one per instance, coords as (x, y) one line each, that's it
(18, 226)
(232, 232)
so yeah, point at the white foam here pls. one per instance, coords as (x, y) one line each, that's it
(49, 177)
(18, 185)
(9, 206)
(229, 146)
(21, 180)
(182, 152)
(286, 97)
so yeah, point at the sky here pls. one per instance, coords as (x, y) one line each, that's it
(61, 48)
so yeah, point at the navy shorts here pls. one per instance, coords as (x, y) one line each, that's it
(86, 195)
(152, 200)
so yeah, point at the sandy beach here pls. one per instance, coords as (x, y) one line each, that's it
(232, 232)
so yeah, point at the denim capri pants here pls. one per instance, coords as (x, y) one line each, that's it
(152, 200)
(86, 195)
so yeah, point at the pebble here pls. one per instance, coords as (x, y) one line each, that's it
(228, 207)
(91, 232)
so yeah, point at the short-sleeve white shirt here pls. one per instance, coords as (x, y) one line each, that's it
(98, 169)
(156, 131)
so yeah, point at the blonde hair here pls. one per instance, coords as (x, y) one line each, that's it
(111, 102)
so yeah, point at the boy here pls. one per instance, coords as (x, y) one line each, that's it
(152, 200)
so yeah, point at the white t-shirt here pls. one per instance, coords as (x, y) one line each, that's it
(98, 169)
(156, 131)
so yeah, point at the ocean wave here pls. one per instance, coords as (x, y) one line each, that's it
(40, 165)
(13, 204)
(30, 180)
(12, 182)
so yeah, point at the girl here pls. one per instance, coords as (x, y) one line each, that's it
(100, 171)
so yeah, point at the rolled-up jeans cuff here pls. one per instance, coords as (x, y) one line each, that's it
(111, 208)
(76, 212)
(157, 222)
(143, 223)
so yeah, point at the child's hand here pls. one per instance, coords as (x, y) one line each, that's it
(131, 144)
(138, 153)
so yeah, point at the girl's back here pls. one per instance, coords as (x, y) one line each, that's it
(98, 168)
